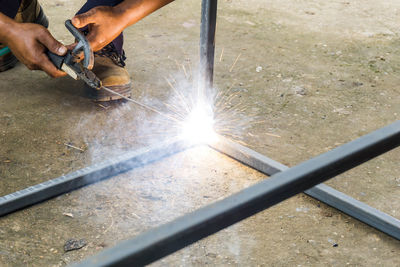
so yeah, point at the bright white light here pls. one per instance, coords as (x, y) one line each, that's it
(199, 125)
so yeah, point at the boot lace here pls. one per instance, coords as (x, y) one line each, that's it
(111, 52)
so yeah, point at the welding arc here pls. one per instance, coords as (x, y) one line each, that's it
(140, 104)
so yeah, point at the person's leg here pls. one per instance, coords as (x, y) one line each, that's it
(30, 11)
(109, 65)
(119, 41)
(9, 7)
(7, 59)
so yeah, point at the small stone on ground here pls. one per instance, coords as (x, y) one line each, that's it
(74, 244)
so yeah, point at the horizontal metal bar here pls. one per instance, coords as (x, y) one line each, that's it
(321, 192)
(89, 175)
(170, 237)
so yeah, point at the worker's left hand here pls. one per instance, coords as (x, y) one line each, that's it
(104, 23)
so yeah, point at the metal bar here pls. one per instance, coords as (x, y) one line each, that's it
(321, 192)
(89, 175)
(357, 209)
(170, 237)
(248, 156)
(207, 42)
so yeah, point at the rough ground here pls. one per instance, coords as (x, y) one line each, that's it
(316, 73)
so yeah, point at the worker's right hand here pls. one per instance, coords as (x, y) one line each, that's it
(29, 43)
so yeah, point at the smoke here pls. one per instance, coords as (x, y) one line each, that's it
(161, 191)
(181, 110)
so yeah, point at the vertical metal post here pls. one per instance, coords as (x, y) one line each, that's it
(207, 43)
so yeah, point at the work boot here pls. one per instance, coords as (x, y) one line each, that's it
(7, 59)
(29, 11)
(109, 67)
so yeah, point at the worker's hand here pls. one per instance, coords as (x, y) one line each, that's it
(104, 24)
(29, 43)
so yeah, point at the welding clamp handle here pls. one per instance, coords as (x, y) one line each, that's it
(57, 60)
(82, 46)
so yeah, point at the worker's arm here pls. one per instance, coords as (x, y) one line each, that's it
(29, 43)
(106, 23)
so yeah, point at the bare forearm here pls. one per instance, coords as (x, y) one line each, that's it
(5, 25)
(29, 43)
(134, 10)
(106, 23)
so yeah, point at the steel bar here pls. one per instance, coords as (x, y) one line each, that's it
(207, 42)
(168, 238)
(89, 175)
(321, 192)
(357, 209)
(248, 156)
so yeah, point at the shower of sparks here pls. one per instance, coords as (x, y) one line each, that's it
(196, 114)
(197, 126)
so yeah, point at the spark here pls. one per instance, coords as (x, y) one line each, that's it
(234, 63)
(222, 53)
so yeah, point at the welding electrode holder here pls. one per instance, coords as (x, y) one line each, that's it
(71, 63)
(82, 46)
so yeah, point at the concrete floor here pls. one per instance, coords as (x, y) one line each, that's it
(316, 73)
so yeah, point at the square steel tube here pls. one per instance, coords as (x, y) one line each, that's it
(322, 192)
(92, 174)
(168, 238)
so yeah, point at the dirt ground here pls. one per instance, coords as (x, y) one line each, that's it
(309, 75)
